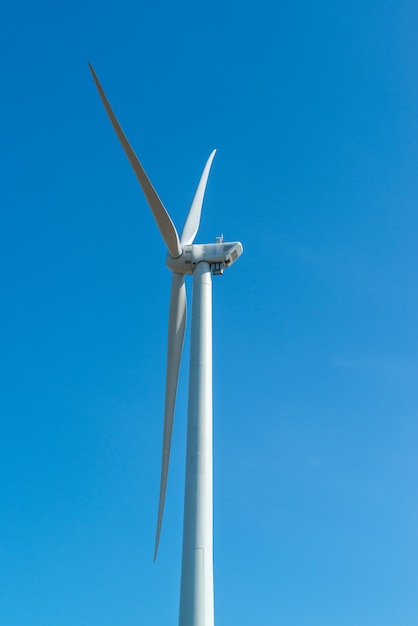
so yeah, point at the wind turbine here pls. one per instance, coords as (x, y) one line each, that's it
(199, 260)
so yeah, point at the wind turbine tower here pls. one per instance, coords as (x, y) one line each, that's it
(200, 261)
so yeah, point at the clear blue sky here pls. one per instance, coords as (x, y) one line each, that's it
(313, 108)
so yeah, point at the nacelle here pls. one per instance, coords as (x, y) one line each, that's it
(218, 255)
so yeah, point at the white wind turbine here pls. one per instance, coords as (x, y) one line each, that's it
(199, 260)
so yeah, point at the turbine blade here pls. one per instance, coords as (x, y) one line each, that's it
(176, 328)
(164, 223)
(191, 225)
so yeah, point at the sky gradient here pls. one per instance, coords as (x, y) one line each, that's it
(313, 109)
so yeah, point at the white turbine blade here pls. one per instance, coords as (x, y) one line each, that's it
(191, 225)
(176, 328)
(164, 223)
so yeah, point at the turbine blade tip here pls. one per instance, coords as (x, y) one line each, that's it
(93, 73)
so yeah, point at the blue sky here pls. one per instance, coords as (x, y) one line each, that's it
(313, 110)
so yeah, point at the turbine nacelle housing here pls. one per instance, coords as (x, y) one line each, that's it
(219, 255)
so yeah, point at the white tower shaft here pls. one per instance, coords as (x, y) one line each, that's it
(196, 596)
